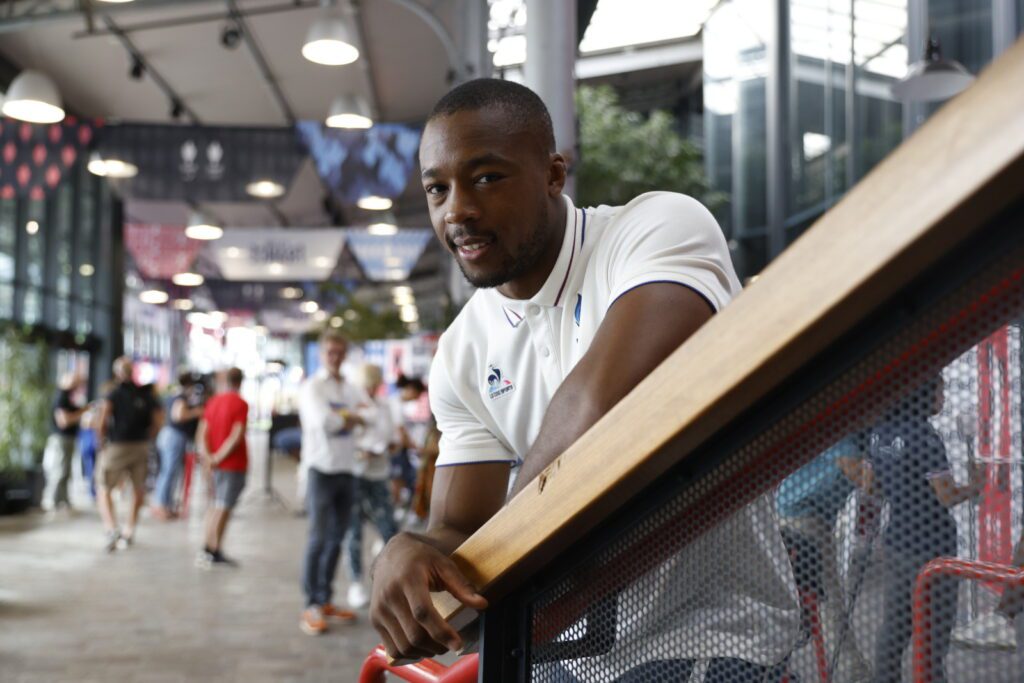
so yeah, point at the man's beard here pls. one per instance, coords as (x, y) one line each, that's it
(515, 265)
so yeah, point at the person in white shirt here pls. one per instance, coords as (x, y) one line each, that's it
(372, 470)
(330, 410)
(575, 307)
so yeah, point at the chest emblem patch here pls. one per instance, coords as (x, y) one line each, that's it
(497, 384)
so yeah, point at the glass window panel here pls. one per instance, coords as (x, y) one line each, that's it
(86, 237)
(964, 30)
(32, 310)
(6, 301)
(8, 239)
(61, 243)
(35, 254)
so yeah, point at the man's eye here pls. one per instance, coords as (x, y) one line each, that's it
(488, 178)
(434, 189)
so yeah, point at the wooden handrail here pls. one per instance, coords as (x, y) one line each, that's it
(936, 190)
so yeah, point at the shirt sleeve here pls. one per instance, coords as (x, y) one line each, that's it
(241, 415)
(668, 237)
(464, 438)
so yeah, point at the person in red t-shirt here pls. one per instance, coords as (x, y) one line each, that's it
(220, 441)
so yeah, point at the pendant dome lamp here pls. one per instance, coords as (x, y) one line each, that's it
(329, 42)
(33, 97)
(933, 78)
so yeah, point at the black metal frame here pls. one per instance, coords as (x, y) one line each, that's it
(505, 644)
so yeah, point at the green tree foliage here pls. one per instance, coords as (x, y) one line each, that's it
(623, 153)
(25, 394)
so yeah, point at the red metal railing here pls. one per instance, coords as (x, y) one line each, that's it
(426, 671)
(974, 570)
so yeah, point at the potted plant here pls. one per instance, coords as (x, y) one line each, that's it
(24, 418)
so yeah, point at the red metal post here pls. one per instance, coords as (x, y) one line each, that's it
(973, 570)
(426, 671)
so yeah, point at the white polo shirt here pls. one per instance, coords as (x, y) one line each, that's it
(502, 360)
(327, 446)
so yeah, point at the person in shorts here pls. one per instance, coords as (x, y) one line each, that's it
(129, 418)
(220, 441)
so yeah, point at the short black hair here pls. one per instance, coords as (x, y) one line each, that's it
(414, 383)
(523, 106)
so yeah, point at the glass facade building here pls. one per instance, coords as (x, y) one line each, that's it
(798, 104)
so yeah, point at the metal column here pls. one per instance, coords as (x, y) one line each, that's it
(777, 121)
(550, 69)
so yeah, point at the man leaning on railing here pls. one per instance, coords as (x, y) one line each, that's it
(576, 306)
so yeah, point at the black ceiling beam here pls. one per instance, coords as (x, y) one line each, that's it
(159, 80)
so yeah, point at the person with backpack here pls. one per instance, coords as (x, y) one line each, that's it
(129, 419)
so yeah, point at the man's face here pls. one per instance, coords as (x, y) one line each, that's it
(488, 191)
(332, 355)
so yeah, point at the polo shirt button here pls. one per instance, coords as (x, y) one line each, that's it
(533, 309)
(545, 351)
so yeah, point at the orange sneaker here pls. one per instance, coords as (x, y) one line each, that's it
(335, 612)
(312, 622)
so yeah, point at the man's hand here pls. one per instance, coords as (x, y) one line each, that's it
(406, 572)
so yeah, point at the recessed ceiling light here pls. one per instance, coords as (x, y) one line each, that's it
(86, 270)
(275, 269)
(183, 304)
(153, 296)
(291, 293)
(265, 189)
(382, 229)
(187, 279)
(309, 307)
(374, 203)
(32, 227)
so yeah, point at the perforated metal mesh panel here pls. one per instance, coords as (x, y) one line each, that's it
(792, 553)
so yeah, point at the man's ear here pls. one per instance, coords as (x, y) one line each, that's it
(558, 169)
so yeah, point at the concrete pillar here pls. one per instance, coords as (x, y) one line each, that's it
(550, 69)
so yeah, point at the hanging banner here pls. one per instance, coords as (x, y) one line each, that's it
(201, 163)
(388, 257)
(359, 163)
(160, 251)
(276, 254)
(35, 157)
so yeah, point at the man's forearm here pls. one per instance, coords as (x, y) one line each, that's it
(568, 417)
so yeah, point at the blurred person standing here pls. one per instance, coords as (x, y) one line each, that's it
(60, 446)
(372, 470)
(327, 410)
(220, 440)
(410, 437)
(129, 418)
(184, 408)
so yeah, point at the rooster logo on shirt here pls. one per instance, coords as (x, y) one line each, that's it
(498, 385)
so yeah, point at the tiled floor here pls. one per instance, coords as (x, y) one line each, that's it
(71, 612)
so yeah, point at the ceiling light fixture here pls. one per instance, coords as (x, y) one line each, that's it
(349, 111)
(138, 68)
(275, 268)
(320, 316)
(374, 203)
(111, 168)
(265, 188)
(33, 97)
(337, 322)
(322, 262)
(153, 296)
(328, 42)
(291, 293)
(184, 304)
(187, 279)
(199, 228)
(309, 307)
(86, 270)
(932, 78)
(382, 229)
(32, 227)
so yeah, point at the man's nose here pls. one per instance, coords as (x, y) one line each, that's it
(462, 208)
